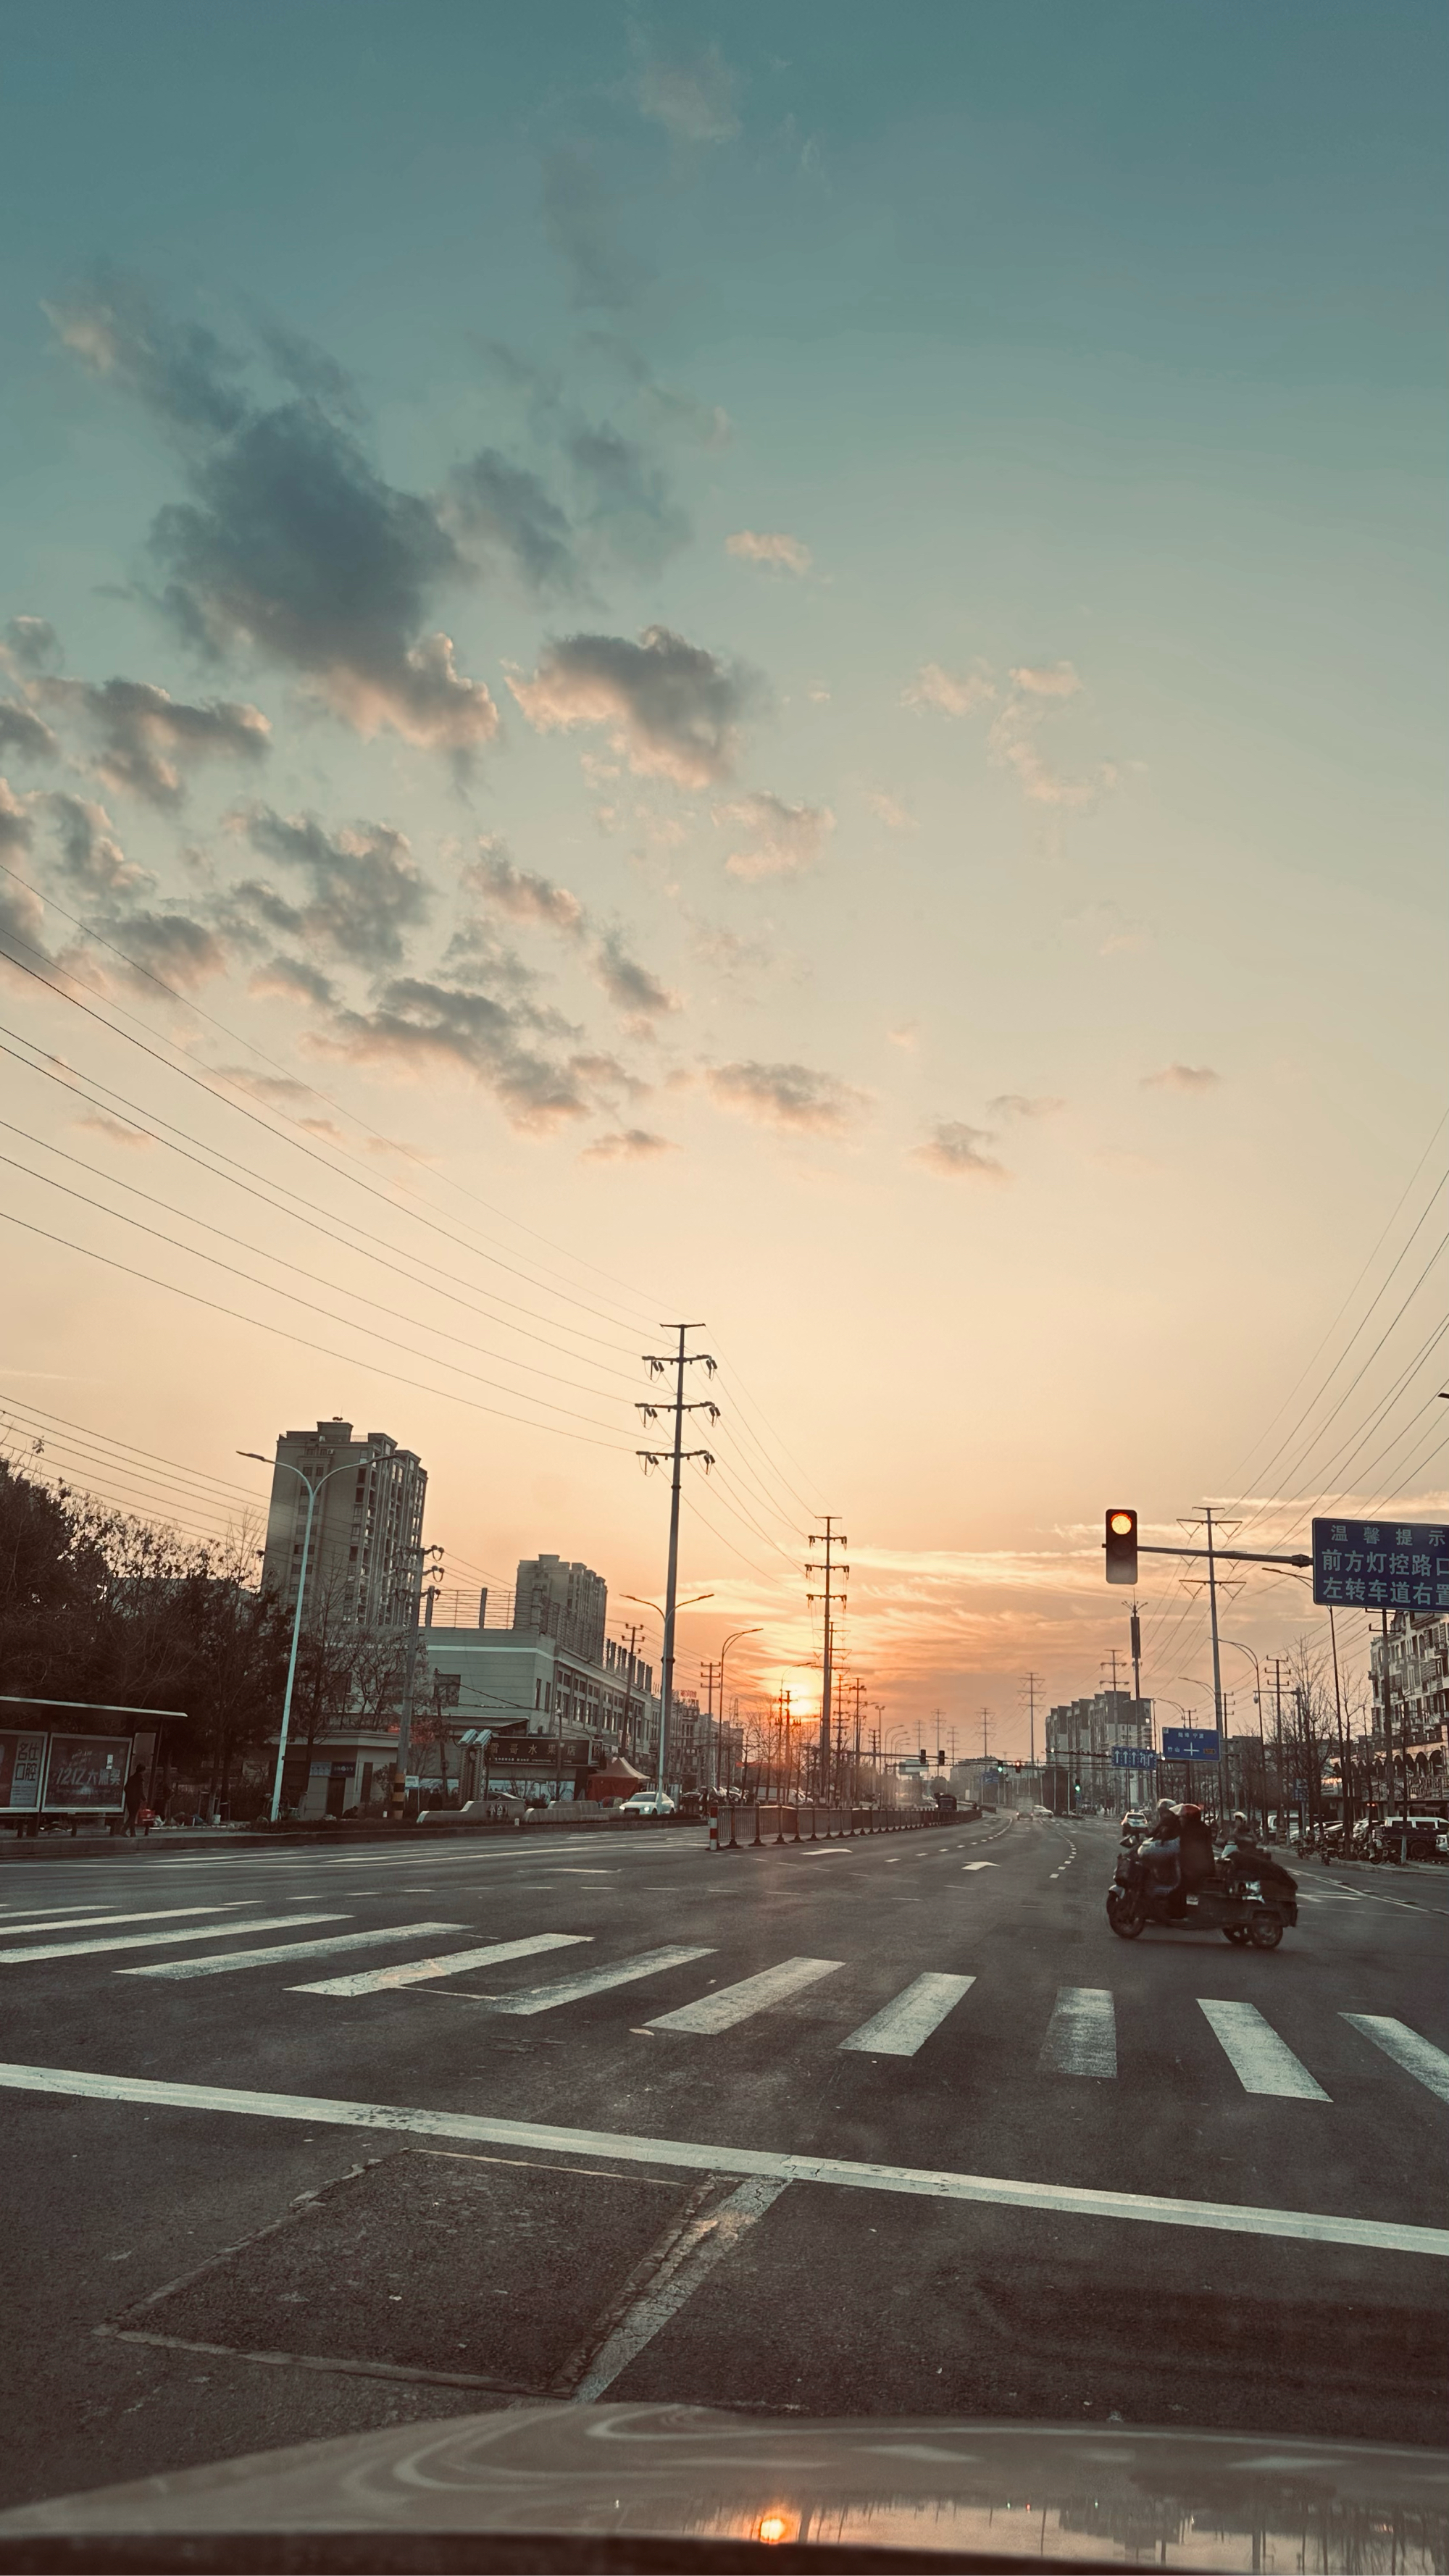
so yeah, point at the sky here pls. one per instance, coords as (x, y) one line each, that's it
(772, 668)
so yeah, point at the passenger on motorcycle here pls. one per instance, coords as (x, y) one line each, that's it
(1197, 1859)
(1160, 1854)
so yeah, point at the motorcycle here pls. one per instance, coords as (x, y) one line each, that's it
(1250, 1912)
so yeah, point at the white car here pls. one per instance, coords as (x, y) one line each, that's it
(649, 1802)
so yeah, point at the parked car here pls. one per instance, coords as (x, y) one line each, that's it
(649, 1802)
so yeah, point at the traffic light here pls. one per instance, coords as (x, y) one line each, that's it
(925, 1759)
(940, 1761)
(1121, 1547)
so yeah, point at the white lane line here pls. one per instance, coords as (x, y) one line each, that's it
(97, 1922)
(156, 1940)
(705, 2242)
(1082, 2033)
(910, 2017)
(416, 1972)
(731, 2004)
(977, 1864)
(225, 1963)
(825, 1851)
(1418, 2057)
(596, 1981)
(1261, 2061)
(691, 2155)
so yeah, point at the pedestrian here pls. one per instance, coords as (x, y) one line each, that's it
(134, 1795)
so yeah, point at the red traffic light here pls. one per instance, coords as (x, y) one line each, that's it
(1121, 1546)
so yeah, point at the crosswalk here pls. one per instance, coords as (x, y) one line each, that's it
(1076, 2042)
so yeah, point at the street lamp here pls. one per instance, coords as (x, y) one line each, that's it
(643, 1603)
(732, 1640)
(1240, 1648)
(314, 1485)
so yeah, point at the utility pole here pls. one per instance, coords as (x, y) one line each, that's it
(1033, 1683)
(679, 1360)
(1135, 1639)
(832, 1539)
(1278, 1730)
(405, 1718)
(634, 1632)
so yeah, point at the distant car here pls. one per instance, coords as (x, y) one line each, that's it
(649, 1802)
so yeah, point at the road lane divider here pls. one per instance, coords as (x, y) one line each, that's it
(597, 1981)
(1261, 2061)
(1418, 2057)
(907, 2021)
(163, 1940)
(417, 1972)
(731, 2004)
(226, 1963)
(692, 2155)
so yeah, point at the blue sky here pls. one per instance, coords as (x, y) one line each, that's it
(988, 959)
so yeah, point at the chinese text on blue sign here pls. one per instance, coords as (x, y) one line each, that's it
(1189, 1744)
(1381, 1565)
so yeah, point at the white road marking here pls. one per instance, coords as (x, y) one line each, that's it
(706, 2242)
(1261, 2061)
(1418, 2057)
(910, 2017)
(977, 1864)
(225, 1963)
(1082, 2033)
(416, 1972)
(825, 1851)
(690, 2155)
(731, 2004)
(156, 1940)
(96, 1922)
(596, 1981)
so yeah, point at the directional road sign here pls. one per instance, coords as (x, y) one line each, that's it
(1133, 1757)
(1189, 1744)
(1381, 1565)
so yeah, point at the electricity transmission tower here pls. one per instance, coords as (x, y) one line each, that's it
(659, 1363)
(833, 1538)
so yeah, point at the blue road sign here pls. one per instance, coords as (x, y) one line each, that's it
(1381, 1565)
(1133, 1757)
(1189, 1744)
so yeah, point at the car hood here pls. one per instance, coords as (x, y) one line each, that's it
(1099, 2496)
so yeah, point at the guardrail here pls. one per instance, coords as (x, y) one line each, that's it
(753, 1828)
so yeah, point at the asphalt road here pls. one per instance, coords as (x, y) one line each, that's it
(244, 2210)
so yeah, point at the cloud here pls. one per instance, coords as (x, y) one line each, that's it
(676, 413)
(90, 854)
(366, 887)
(292, 548)
(632, 989)
(1056, 680)
(628, 1145)
(671, 708)
(1181, 1077)
(792, 1096)
(510, 510)
(421, 1028)
(146, 734)
(780, 839)
(519, 893)
(115, 1131)
(179, 370)
(890, 811)
(171, 945)
(290, 979)
(23, 732)
(949, 693)
(579, 224)
(694, 100)
(954, 1150)
(1014, 745)
(629, 501)
(30, 644)
(17, 830)
(309, 369)
(908, 1035)
(1019, 1104)
(777, 552)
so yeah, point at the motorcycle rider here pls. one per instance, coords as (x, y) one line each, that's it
(1160, 1853)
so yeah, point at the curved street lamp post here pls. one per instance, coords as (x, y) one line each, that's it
(314, 1487)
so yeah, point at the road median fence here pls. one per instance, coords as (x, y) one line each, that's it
(763, 1827)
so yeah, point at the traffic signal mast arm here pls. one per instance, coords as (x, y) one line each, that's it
(1239, 1555)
